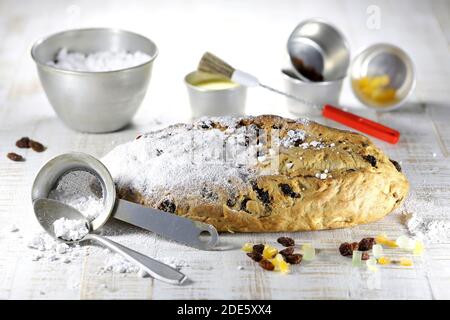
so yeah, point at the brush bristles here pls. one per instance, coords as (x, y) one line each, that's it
(211, 64)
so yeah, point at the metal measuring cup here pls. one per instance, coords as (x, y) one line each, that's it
(165, 224)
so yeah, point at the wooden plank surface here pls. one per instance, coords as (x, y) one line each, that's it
(252, 35)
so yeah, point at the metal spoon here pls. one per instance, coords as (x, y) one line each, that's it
(48, 211)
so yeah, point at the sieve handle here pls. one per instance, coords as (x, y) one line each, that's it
(167, 225)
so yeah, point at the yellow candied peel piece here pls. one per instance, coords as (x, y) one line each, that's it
(280, 264)
(419, 248)
(405, 262)
(247, 247)
(384, 260)
(383, 240)
(269, 252)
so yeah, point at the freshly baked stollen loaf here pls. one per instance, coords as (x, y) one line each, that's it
(259, 174)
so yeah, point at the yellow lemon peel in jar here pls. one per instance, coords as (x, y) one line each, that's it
(376, 89)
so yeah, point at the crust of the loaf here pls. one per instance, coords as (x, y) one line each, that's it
(353, 197)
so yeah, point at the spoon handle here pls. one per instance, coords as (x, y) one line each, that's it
(156, 269)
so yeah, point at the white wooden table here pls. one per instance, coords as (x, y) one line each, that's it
(252, 35)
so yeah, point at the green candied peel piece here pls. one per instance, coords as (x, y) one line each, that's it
(357, 258)
(309, 252)
(377, 250)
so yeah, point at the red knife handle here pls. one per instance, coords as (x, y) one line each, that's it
(362, 124)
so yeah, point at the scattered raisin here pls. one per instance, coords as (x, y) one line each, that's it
(371, 159)
(287, 190)
(354, 245)
(258, 248)
(286, 241)
(267, 265)
(293, 258)
(255, 256)
(36, 146)
(287, 252)
(167, 206)
(346, 249)
(15, 157)
(23, 143)
(396, 165)
(366, 244)
(365, 256)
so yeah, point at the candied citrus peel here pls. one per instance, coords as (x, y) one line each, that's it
(405, 262)
(384, 260)
(376, 89)
(383, 240)
(269, 252)
(247, 247)
(280, 264)
(419, 248)
(309, 252)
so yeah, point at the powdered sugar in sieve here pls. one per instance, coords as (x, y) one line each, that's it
(81, 190)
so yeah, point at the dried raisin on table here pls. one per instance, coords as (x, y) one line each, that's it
(259, 248)
(295, 258)
(36, 146)
(267, 265)
(287, 252)
(366, 244)
(15, 157)
(23, 143)
(255, 256)
(365, 256)
(354, 245)
(286, 241)
(346, 249)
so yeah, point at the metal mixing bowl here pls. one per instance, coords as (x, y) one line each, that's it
(94, 101)
(384, 59)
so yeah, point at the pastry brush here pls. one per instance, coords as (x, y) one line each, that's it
(212, 64)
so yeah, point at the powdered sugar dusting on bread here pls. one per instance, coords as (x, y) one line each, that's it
(182, 160)
(191, 160)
